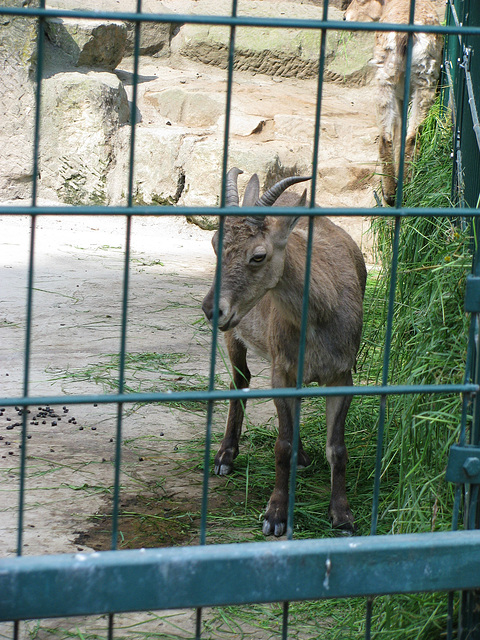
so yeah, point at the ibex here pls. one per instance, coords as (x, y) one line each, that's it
(390, 55)
(260, 307)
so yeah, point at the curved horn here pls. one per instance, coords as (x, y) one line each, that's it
(231, 189)
(270, 196)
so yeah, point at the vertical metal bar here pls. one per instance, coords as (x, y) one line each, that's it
(306, 297)
(211, 384)
(383, 406)
(391, 303)
(300, 371)
(218, 275)
(318, 111)
(126, 278)
(29, 301)
(406, 100)
(306, 291)
(28, 328)
(386, 363)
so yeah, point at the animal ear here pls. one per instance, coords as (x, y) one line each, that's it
(292, 220)
(303, 199)
(286, 223)
(252, 191)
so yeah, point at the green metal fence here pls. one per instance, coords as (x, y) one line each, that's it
(214, 574)
(462, 68)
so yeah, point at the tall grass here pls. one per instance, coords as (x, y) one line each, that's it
(429, 339)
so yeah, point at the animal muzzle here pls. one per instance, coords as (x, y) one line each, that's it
(226, 317)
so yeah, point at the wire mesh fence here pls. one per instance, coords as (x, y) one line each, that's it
(209, 574)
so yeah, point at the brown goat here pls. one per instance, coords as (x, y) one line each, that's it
(260, 307)
(390, 55)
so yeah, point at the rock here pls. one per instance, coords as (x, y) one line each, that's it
(154, 38)
(89, 43)
(82, 114)
(272, 161)
(192, 109)
(158, 177)
(18, 39)
(243, 125)
(18, 57)
(290, 53)
(289, 127)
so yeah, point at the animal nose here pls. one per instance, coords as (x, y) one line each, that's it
(207, 309)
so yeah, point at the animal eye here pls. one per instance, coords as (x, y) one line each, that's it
(258, 257)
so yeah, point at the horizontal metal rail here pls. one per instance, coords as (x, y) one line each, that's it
(239, 21)
(226, 574)
(241, 394)
(169, 210)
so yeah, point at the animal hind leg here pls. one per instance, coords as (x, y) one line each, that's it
(336, 413)
(228, 449)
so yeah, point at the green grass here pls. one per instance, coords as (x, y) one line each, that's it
(145, 372)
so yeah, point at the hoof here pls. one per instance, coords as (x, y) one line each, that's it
(275, 522)
(345, 525)
(223, 469)
(277, 529)
(223, 464)
(347, 529)
(342, 519)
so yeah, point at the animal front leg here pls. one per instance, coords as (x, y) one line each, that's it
(228, 449)
(336, 413)
(277, 509)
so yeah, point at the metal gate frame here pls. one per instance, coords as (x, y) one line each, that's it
(178, 577)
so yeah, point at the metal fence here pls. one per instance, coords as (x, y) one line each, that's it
(463, 76)
(223, 574)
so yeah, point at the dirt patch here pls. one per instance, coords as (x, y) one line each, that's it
(144, 521)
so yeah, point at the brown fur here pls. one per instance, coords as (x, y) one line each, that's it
(390, 58)
(260, 307)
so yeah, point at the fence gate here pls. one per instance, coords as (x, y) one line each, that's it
(207, 575)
